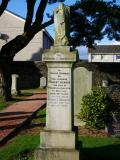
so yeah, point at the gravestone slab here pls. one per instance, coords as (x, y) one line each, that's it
(82, 86)
(43, 82)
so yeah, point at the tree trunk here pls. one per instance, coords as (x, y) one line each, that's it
(5, 82)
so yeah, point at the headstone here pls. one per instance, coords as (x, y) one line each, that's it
(82, 86)
(14, 88)
(104, 83)
(113, 128)
(43, 82)
(58, 140)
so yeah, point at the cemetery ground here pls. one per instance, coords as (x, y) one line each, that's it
(95, 144)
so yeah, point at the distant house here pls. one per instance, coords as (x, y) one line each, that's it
(104, 53)
(27, 61)
(13, 25)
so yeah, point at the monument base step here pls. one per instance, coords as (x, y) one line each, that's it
(57, 139)
(56, 154)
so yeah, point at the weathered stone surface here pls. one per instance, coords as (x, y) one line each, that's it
(43, 82)
(60, 54)
(58, 142)
(82, 86)
(62, 25)
(59, 99)
(56, 154)
(57, 139)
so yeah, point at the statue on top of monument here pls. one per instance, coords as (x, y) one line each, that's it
(62, 25)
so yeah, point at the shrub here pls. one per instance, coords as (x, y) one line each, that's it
(96, 108)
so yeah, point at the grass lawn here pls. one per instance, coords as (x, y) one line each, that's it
(2, 104)
(95, 148)
(40, 117)
(23, 146)
(20, 148)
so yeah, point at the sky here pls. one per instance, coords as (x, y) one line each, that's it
(19, 8)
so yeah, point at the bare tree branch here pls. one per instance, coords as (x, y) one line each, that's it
(40, 12)
(30, 12)
(3, 6)
(46, 24)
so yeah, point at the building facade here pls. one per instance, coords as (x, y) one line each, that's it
(27, 61)
(13, 25)
(104, 53)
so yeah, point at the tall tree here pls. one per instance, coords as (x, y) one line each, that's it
(93, 19)
(90, 21)
(11, 48)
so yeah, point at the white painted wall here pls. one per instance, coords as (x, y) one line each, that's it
(103, 58)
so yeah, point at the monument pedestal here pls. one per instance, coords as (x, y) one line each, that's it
(58, 140)
(57, 145)
(56, 154)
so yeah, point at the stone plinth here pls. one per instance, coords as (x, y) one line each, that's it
(58, 140)
(56, 154)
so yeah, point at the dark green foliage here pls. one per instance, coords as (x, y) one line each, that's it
(96, 108)
(93, 19)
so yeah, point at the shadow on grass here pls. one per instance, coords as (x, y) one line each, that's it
(35, 125)
(110, 152)
(40, 116)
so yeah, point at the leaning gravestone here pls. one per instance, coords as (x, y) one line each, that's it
(58, 140)
(114, 127)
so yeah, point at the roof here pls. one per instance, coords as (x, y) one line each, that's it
(23, 19)
(105, 49)
(15, 15)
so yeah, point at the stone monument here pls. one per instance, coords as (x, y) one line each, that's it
(14, 88)
(58, 141)
(42, 82)
(62, 25)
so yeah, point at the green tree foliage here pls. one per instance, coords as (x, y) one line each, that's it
(93, 19)
(96, 108)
